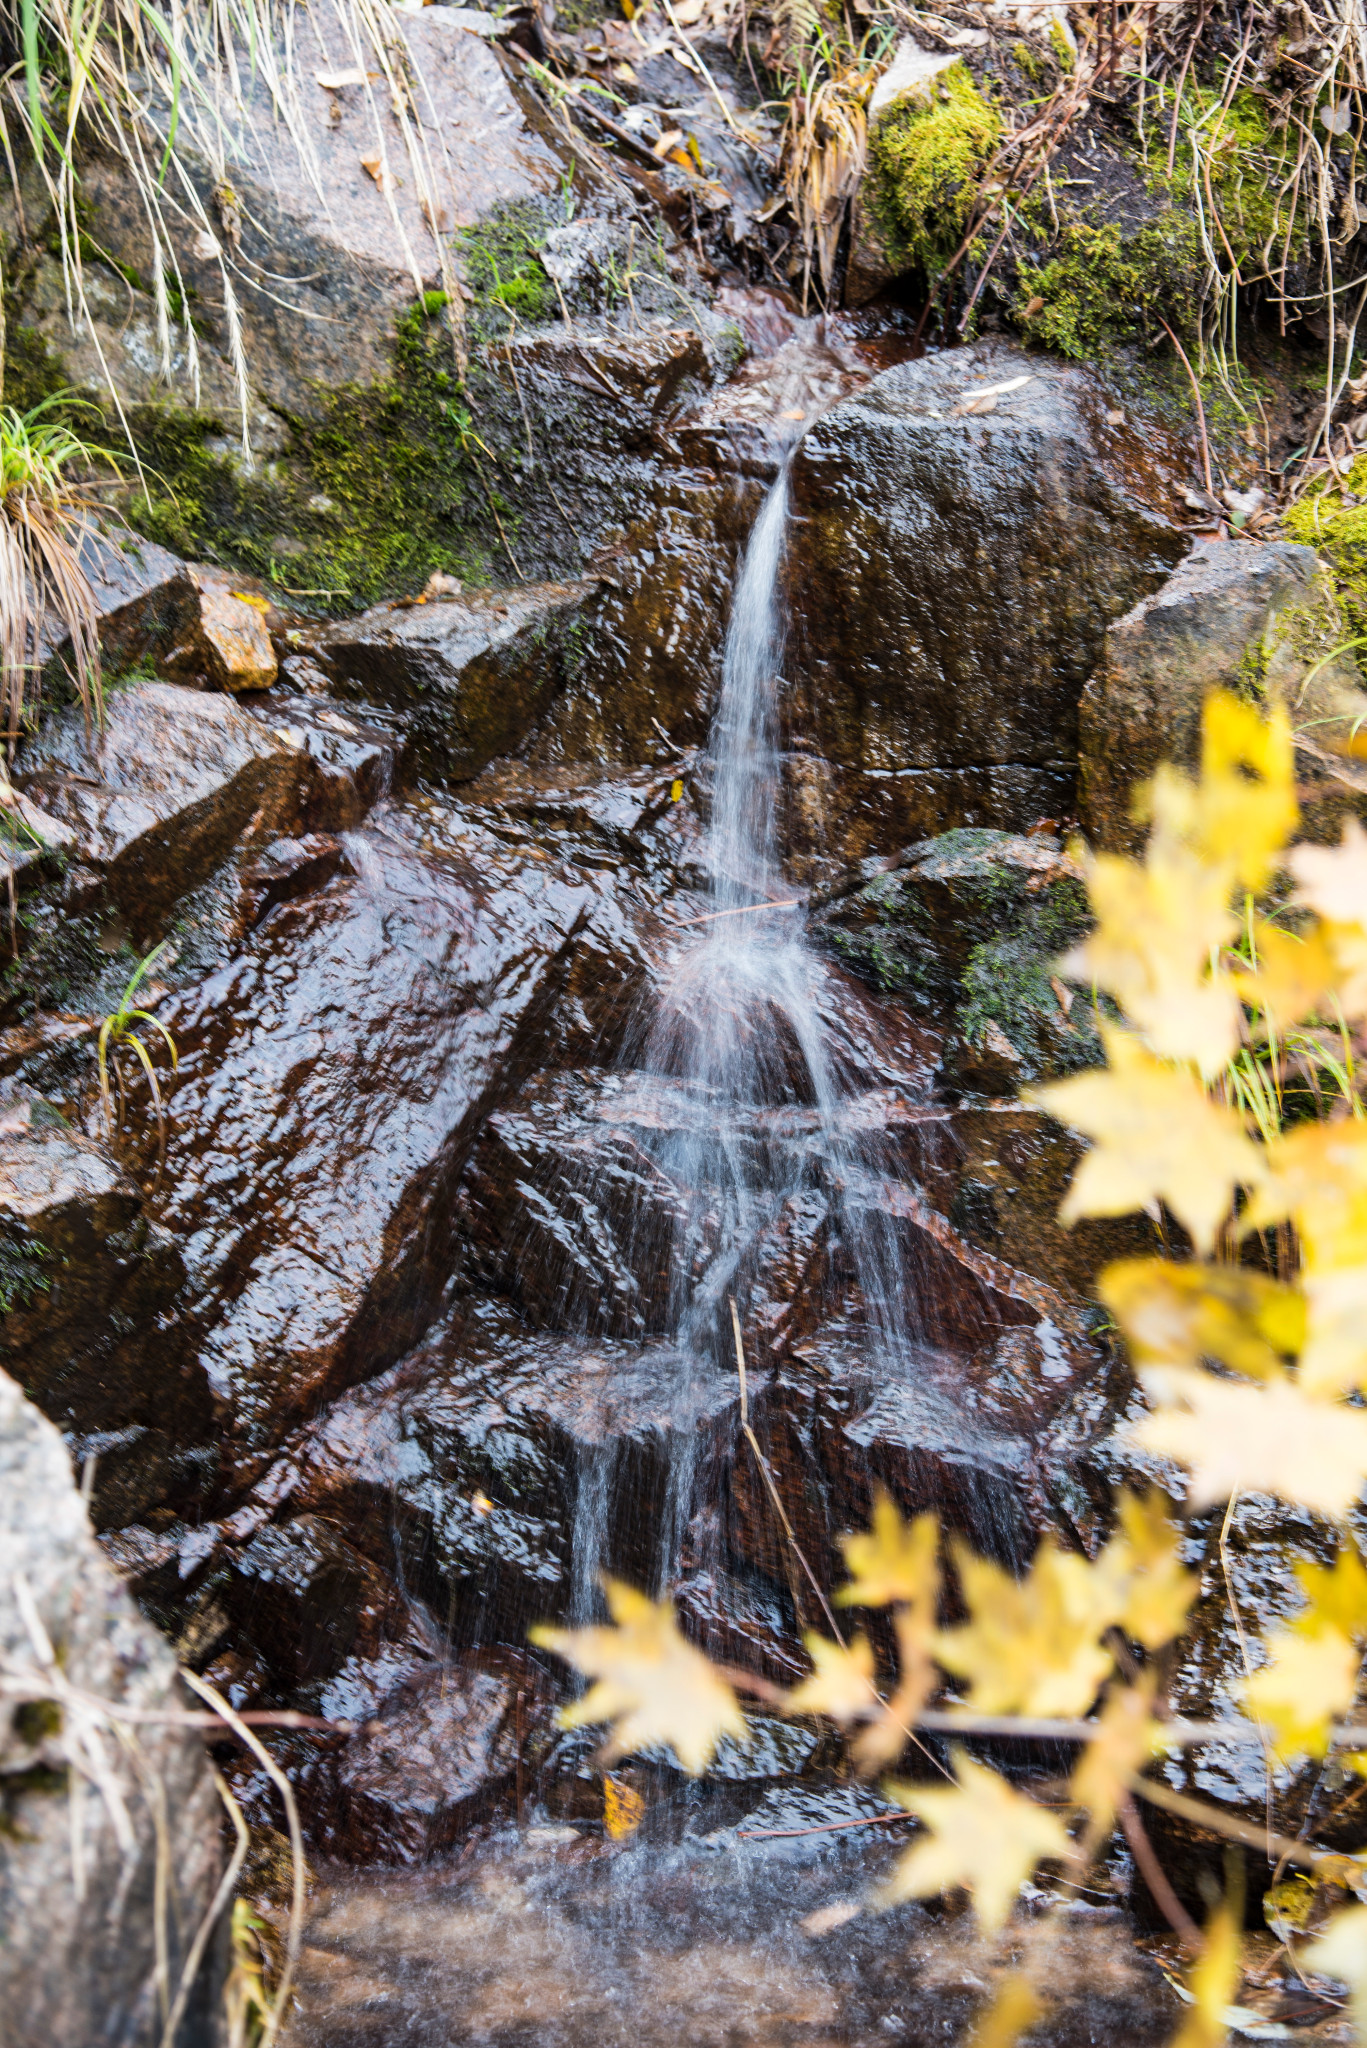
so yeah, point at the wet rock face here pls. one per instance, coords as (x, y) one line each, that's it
(472, 674)
(333, 1076)
(80, 1262)
(440, 1754)
(1143, 705)
(79, 1962)
(1233, 610)
(952, 584)
(967, 928)
(160, 794)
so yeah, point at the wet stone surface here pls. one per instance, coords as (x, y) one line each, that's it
(552, 1936)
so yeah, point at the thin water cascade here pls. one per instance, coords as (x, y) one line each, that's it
(746, 1076)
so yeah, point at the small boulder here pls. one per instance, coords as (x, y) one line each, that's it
(438, 1755)
(222, 642)
(1221, 614)
(162, 792)
(472, 674)
(1143, 704)
(969, 527)
(80, 1906)
(206, 627)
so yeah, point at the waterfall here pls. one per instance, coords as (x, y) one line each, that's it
(750, 1105)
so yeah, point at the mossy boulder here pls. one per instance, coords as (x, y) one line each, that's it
(928, 149)
(967, 928)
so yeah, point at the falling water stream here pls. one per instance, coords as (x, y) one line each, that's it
(739, 1030)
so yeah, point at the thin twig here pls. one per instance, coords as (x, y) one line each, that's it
(1156, 1878)
(1200, 409)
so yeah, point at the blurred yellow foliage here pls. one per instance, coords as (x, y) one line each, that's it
(983, 1836)
(652, 1685)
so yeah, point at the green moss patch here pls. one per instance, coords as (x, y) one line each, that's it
(928, 156)
(1234, 158)
(1102, 285)
(1333, 518)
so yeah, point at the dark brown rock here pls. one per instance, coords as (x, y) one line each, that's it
(79, 1959)
(312, 1604)
(332, 1079)
(86, 1274)
(648, 657)
(220, 638)
(347, 766)
(204, 627)
(952, 584)
(437, 1757)
(471, 674)
(158, 796)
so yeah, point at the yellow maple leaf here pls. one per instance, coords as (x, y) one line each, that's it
(652, 1684)
(1317, 1174)
(1307, 1684)
(1348, 943)
(984, 1836)
(896, 1560)
(1337, 1593)
(1294, 975)
(1015, 2007)
(1212, 1983)
(1156, 1136)
(1271, 1438)
(1341, 1953)
(1153, 1588)
(1177, 1315)
(1158, 928)
(1333, 879)
(842, 1683)
(1127, 1737)
(623, 1809)
(1032, 1645)
(1246, 803)
(885, 1737)
(1334, 1355)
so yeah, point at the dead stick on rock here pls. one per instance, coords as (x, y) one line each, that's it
(768, 1478)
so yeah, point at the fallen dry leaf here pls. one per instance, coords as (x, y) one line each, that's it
(378, 166)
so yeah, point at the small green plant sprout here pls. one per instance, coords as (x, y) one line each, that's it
(46, 501)
(117, 1041)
